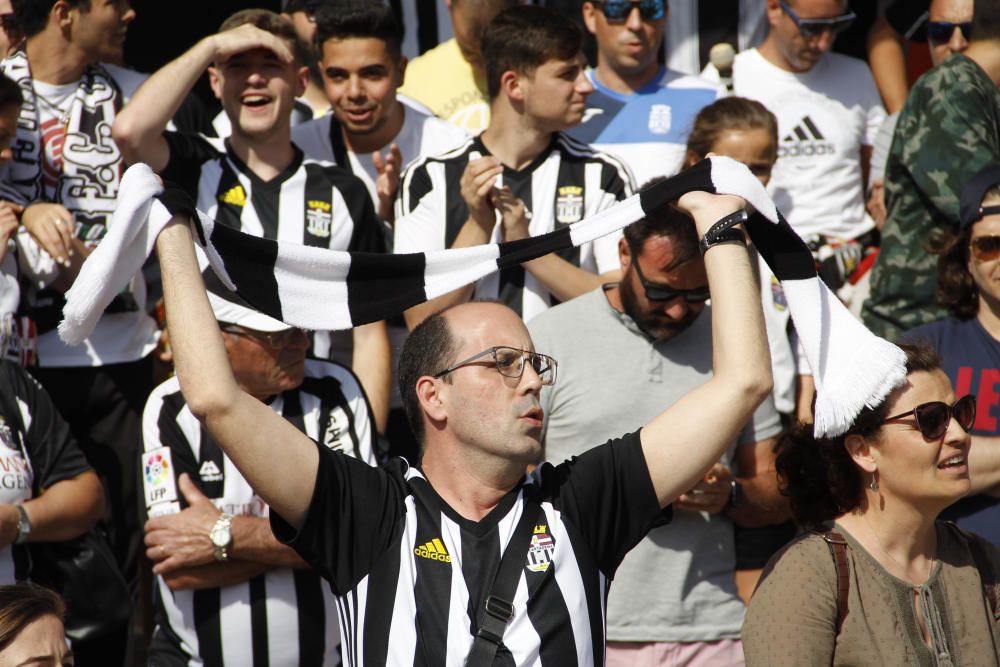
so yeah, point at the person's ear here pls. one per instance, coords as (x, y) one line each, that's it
(401, 69)
(431, 398)
(774, 12)
(861, 452)
(590, 17)
(511, 84)
(61, 14)
(301, 81)
(215, 81)
(624, 254)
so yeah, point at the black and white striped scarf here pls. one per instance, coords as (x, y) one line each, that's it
(320, 289)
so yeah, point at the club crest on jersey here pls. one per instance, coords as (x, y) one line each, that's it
(659, 118)
(541, 549)
(433, 550)
(569, 204)
(318, 217)
(235, 195)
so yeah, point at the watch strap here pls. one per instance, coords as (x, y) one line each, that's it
(723, 232)
(223, 524)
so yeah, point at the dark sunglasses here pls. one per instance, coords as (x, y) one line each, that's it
(617, 11)
(940, 32)
(661, 292)
(985, 248)
(933, 418)
(811, 28)
(276, 340)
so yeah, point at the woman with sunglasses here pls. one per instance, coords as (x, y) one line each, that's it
(968, 340)
(879, 580)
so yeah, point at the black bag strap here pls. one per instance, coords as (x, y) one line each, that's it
(338, 144)
(838, 550)
(499, 606)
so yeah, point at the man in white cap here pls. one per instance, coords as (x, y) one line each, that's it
(226, 590)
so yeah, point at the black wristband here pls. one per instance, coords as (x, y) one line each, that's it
(723, 232)
(725, 236)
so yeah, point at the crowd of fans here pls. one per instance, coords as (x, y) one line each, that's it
(342, 125)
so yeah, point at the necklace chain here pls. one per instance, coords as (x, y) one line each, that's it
(63, 113)
(930, 565)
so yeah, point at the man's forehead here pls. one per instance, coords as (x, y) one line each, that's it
(951, 10)
(818, 8)
(481, 324)
(257, 54)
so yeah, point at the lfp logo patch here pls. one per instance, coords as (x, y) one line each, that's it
(158, 476)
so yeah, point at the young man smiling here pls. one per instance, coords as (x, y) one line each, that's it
(371, 132)
(261, 183)
(521, 177)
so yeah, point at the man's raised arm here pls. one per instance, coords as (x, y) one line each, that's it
(683, 442)
(247, 430)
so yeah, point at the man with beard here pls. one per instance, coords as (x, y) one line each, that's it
(646, 341)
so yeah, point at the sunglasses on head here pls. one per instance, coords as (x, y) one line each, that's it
(933, 418)
(811, 28)
(940, 32)
(661, 292)
(617, 11)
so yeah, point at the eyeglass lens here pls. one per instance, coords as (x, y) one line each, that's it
(985, 248)
(510, 362)
(940, 32)
(810, 28)
(617, 11)
(659, 292)
(933, 418)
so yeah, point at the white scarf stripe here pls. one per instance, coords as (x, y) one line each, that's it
(316, 288)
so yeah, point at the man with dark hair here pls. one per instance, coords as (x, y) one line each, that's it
(65, 172)
(208, 534)
(466, 559)
(640, 111)
(940, 142)
(363, 66)
(522, 176)
(260, 182)
(674, 593)
(450, 79)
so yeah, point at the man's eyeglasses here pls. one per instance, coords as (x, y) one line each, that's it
(509, 362)
(275, 339)
(985, 248)
(933, 418)
(617, 11)
(661, 292)
(812, 28)
(940, 32)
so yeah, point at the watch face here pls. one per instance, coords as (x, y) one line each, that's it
(220, 536)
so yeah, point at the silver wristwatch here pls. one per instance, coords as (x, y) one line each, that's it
(23, 526)
(222, 537)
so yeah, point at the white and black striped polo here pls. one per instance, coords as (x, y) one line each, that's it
(566, 183)
(310, 202)
(285, 617)
(411, 574)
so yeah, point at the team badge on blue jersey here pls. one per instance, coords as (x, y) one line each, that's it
(541, 550)
(569, 204)
(659, 118)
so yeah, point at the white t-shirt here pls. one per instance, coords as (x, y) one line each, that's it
(421, 135)
(824, 116)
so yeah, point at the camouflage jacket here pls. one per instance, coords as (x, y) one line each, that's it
(948, 131)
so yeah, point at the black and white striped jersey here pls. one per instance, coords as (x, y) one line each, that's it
(285, 617)
(566, 183)
(411, 574)
(310, 202)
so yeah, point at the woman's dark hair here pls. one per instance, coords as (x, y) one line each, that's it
(956, 290)
(23, 604)
(728, 113)
(818, 475)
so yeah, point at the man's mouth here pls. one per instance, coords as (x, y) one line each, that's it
(255, 101)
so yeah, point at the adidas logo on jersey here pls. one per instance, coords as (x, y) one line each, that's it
(433, 550)
(209, 472)
(234, 195)
(805, 140)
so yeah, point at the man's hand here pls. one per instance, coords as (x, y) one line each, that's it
(51, 225)
(387, 181)
(10, 220)
(710, 494)
(876, 203)
(513, 215)
(9, 519)
(477, 187)
(246, 38)
(707, 209)
(181, 540)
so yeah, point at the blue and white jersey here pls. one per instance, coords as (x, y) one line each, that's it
(647, 129)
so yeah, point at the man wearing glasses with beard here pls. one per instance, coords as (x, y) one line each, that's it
(645, 342)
